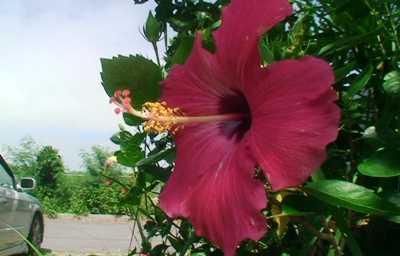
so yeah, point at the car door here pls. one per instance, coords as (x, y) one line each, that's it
(8, 205)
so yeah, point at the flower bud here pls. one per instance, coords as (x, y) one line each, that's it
(153, 29)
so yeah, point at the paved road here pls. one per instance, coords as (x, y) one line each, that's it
(100, 235)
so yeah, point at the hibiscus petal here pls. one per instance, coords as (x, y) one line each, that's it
(199, 146)
(243, 22)
(293, 118)
(193, 87)
(212, 184)
(225, 203)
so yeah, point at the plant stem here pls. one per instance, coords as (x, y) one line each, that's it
(157, 55)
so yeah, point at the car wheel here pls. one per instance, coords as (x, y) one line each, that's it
(35, 235)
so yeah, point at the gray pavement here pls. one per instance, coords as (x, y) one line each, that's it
(92, 235)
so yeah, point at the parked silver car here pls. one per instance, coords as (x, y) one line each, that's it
(20, 214)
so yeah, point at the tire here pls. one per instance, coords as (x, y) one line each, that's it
(35, 234)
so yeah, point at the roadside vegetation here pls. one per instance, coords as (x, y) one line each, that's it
(87, 191)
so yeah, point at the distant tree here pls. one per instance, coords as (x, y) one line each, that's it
(22, 158)
(49, 169)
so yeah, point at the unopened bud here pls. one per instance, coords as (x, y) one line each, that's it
(153, 29)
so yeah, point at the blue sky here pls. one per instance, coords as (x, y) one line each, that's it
(50, 70)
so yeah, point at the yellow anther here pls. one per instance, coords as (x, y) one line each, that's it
(160, 117)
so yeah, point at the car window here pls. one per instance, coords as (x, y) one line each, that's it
(5, 179)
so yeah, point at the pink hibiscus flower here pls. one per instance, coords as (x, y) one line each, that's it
(279, 118)
(288, 119)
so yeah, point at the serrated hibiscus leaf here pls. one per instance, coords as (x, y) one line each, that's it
(383, 163)
(350, 196)
(135, 73)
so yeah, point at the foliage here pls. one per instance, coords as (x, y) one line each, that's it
(22, 159)
(49, 170)
(354, 197)
(81, 193)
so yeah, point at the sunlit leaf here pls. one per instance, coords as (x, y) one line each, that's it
(383, 163)
(351, 196)
(392, 83)
(135, 73)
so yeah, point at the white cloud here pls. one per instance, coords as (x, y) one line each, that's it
(49, 69)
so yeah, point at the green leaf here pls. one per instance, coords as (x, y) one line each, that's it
(176, 244)
(346, 43)
(135, 73)
(131, 120)
(156, 157)
(392, 84)
(183, 51)
(351, 196)
(393, 197)
(130, 152)
(360, 81)
(130, 158)
(158, 173)
(120, 137)
(302, 205)
(383, 163)
(344, 71)
(381, 136)
(266, 55)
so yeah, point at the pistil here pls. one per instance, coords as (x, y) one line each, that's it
(161, 118)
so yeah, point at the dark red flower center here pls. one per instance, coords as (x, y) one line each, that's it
(231, 104)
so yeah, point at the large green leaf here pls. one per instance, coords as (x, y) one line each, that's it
(383, 163)
(351, 196)
(135, 73)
